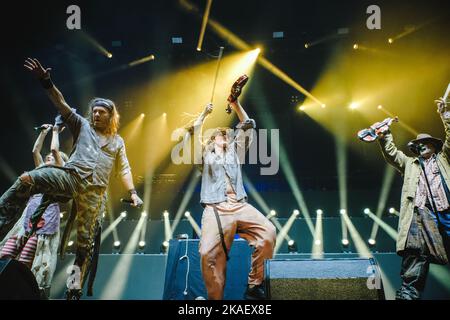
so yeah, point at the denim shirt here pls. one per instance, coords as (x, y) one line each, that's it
(91, 160)
(214, 167)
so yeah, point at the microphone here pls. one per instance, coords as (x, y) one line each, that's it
(126, 200)
(41, 128)
(129, 201)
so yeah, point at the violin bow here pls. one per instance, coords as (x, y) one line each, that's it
(217, 73)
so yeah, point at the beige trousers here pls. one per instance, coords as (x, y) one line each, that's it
(251, 225)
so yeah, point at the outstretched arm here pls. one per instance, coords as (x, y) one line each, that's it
(393, 156)
(54, 147)
(242, 115)
(201, 118)
(244, 136)
(445, 117)
(196, 132)
(37, 157)
(43, 75)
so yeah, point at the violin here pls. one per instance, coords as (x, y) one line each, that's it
(371, 134)
(236, 91)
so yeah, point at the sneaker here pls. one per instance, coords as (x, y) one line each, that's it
(255, 293)
(73, 294)
(407, 293)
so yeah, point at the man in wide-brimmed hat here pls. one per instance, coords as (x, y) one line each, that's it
(424, 219)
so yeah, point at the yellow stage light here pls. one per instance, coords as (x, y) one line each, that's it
(354, 105)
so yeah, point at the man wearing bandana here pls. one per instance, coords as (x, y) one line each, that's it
(97, 150)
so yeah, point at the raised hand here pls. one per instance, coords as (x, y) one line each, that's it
(208, 109)
(441, 104)
(47, 128)
(36, 68)
(58, 129)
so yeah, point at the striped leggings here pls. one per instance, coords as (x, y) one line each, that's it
(24, 254)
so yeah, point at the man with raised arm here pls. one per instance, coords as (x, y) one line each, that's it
(96, 151)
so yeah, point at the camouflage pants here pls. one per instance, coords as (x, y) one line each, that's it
(51, 181)
(57, 182)
(90, 205)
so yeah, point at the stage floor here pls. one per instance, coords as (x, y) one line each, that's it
(142, 276)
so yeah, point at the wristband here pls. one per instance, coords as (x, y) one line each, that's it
(46, 83)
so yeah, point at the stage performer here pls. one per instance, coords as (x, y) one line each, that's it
(97, 149)
(226, 210)
(38, 250)
(424, 220)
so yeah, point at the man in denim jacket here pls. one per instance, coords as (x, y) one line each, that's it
(226, 211)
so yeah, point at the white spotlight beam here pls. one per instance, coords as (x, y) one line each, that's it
(167, 229)
(385, 189)
(283, 234)
(186, 198)
(195, 226)
(317, 245)
(117, 283)
(360, 245)
(255, 194)
(111, 228)
(389, 230)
